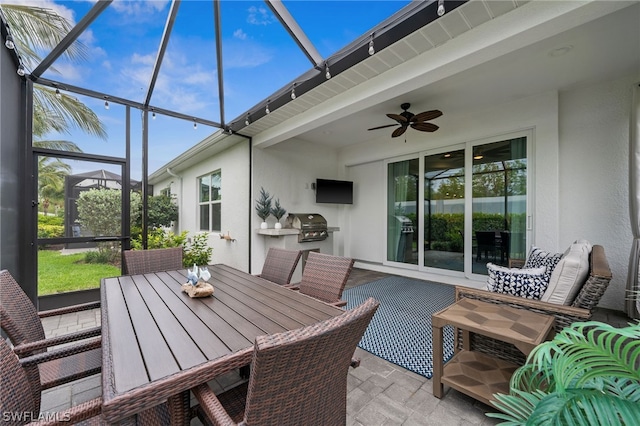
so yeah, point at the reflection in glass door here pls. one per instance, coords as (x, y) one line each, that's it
(499, 202)
(444, 210)
(402, 211)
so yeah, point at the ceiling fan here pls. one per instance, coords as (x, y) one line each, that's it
(416, 121)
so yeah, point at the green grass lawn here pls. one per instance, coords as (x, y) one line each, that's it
(59, 274)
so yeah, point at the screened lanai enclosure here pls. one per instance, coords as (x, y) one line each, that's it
(123, 87)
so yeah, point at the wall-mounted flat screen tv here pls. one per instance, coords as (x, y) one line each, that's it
(334, 191)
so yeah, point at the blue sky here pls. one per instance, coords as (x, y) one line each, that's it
(259, 57)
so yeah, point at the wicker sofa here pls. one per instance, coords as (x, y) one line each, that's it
(580, 310)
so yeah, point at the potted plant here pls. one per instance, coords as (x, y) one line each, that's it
(277, 211)
(263, 207)
(587, 375)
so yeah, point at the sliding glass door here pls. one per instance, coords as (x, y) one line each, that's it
(403, 211)
(474, 207)
(499, 202)
(444, 210)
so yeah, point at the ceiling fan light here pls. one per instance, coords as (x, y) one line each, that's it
(441, 9)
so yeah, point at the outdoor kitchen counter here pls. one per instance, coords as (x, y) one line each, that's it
(272, 232)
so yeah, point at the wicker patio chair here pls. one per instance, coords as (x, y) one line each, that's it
(324, 277)
(279, 265)
(155, 260)
(47, 368)
(580, 310)
(19, 406)
(298, 377)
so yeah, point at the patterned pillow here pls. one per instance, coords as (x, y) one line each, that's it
(527, 283)
(538, 257)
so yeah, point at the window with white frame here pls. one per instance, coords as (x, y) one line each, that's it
(210, 201)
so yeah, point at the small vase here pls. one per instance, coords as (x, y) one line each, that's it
(278, 225)
(264, 225)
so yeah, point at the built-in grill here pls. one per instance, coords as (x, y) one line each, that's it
(312, 226)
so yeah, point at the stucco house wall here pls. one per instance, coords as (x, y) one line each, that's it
(288, 171)
(234, 164)
(594, 181)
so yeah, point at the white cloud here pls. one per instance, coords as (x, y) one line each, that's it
(201, 77)
(69, 72)
(245, 54)
(259, 16)
(239, 34)
(180, 83)
(149, 59)
(138, 8)
(106, 65)
(63, 11)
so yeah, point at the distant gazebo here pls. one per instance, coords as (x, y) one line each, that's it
(76, 184)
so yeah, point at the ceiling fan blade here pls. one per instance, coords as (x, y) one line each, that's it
(425, 127)
(382, 127)
(427, 115)
(399, 118)
(397, 132)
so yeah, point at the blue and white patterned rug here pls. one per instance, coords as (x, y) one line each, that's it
(400, 331)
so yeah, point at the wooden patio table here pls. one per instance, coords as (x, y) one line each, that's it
(157, 342)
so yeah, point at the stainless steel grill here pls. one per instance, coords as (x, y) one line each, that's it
(312, 226)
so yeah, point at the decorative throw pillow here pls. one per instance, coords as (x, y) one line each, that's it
(527, 283)
(569, 275)
(538, 257)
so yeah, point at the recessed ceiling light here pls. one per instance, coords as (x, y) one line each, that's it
(560, 51)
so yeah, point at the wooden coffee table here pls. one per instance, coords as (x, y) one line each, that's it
(476, 374)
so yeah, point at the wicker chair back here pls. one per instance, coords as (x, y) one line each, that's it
(21, 322)
(15, 392)
(18, 316)
(156, 260)
(279, 265)
(325, 276)
(298, 377)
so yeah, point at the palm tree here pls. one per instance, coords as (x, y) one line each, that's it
(51, 175)
(34, 30)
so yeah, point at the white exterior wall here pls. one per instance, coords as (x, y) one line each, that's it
(234, 164)
(594, 181)
(287, 171)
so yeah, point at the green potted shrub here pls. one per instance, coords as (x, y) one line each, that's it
(277, 211)
(263, 207)
(589, 374)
